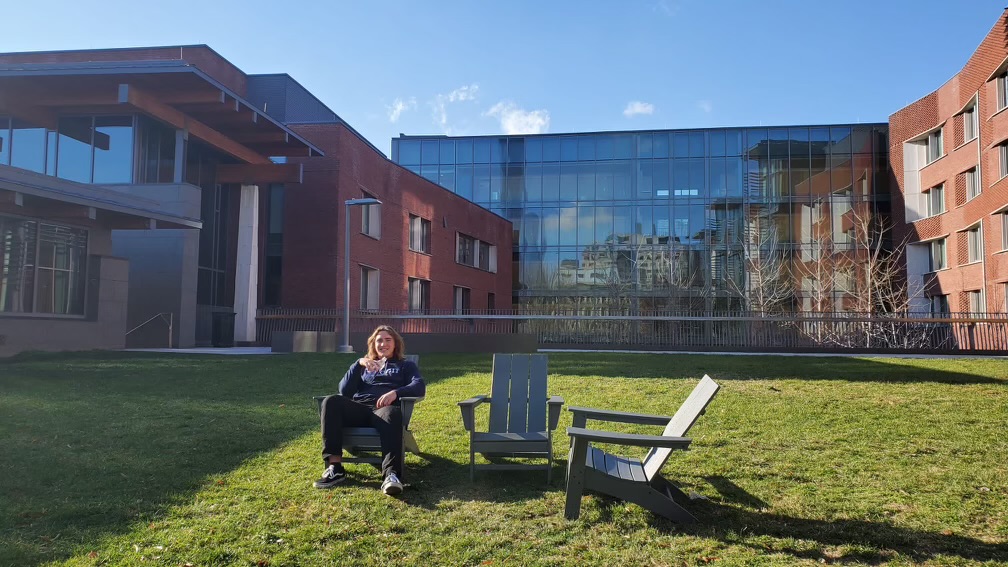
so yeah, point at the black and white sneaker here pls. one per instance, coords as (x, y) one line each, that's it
(333, 475)
(392, 485)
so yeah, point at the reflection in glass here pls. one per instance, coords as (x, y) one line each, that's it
(28, 146)
(4, 141)
(113, 149)
(74, 149)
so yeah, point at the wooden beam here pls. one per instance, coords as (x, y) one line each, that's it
(276, 136)
(36, 115)
(260, 174)
(149, 104)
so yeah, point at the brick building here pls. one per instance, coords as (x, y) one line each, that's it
(139, 182)
(949, 154)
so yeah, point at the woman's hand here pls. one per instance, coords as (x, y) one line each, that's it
(386, 399)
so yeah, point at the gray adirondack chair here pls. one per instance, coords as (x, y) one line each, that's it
(633, 480)
(522, 419)
(362, 442)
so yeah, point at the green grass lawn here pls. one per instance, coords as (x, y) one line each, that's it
(144, 459)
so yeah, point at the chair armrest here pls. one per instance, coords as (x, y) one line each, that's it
(582, 415)
(406, 404)
(553, 404)
(629, 439)
(318, 401)
(468, 409)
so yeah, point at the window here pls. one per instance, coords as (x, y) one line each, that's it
(420, 234)
(939, 305)
(977, 302)
(935, 200)
(43, 267)
(492, 301)
(461, 295)
(970, 129)
(974, 238)
(371, 219)
(419, 295)
(1003, 161)
(466, 253)
(1002, 91)
(476, 253)
(1004, 230)
(369, 289)
(934, 145)
(937, 259)
(972, 183)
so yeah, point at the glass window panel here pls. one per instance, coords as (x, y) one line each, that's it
(4, 141)
(586, 147)
(498, 150)
(585, 225)
(718, 185)
(696, 144)
(603, 224)
(680, 144)
(447, 152)
(550, 226)
(568, 148)
(464, 151)
(113, 149)
(551, 182)
(496, 182)
(645, 177)
(533, 183)
(697, 222)
(623, 221)
(717, 142)
(623, 146)
(819, 135)
(430, 172)
(568, 182)
(446, 177)
(622, 180)
(464, 181)
(680, 178)
(429, 153)
(733, 142)
(532, 227)
(27, 146)
(74, 151)
(697, 177)
(409, 152)
(551, 149)
(533, 149)
(568, 226)
(17, 264)
(605, 147)
(604, 181)
(660, 177)
(481, 150)
(662, 222)
(840, 137)
(481, 184)
(660, 144)
(586, 181)
(644, 145)
(644, 221)
(514, 184)
(733, 177)
(516, 150)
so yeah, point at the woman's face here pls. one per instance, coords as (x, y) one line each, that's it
(384, 344)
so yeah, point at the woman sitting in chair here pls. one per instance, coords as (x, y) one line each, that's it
(368, 395)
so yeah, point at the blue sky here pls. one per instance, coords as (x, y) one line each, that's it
(469, 67)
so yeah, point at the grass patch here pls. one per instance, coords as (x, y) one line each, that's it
(139, 459)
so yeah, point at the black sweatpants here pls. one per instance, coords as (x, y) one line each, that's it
(339, 412)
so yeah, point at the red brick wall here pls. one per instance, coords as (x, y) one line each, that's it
(940, 107)
(313, 230)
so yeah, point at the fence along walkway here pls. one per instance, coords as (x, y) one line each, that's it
(742, 331)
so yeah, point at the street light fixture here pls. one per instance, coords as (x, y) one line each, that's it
(345, 347)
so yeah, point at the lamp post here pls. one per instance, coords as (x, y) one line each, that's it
(345, 347)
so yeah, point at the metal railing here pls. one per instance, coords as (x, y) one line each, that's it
(653, 330)
(170, 321)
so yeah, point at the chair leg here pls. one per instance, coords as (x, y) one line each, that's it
(575, 479)
(472, 464)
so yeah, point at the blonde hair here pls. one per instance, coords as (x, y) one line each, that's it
(400, 347)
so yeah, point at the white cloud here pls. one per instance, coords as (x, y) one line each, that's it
(514, 120)
(399, 106)
(441, 101)
(635, 107)
(666, 7)
(705, 105)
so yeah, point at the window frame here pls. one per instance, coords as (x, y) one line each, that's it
(973, 189)
(421, 302)
(371, 219)
(1002, 160)
(461, 300)
(1001, 82)
(420, 234)
(367, 287)
(934, 146)
(974, 244)
(76, 251)
(935, 195)
(971, 126)
(977, 300)
(934, 266)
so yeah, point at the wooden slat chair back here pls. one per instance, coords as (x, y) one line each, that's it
(638, 481)
(522, 417)
(362, 442)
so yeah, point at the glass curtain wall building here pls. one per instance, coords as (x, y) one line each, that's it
(707, 220)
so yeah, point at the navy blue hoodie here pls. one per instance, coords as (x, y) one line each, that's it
(366, 387)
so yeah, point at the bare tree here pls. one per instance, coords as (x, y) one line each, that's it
(767, 285)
